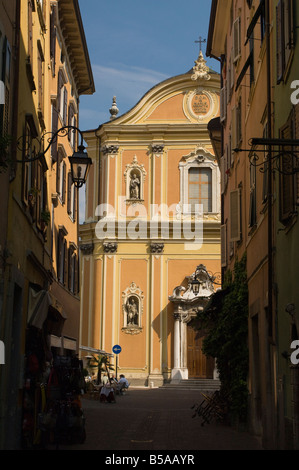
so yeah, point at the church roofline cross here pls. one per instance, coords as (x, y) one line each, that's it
(200, 42)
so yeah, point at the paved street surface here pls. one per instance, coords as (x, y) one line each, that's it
(155, 419)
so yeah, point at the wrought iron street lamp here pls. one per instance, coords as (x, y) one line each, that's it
(79, 161)
(80, 164)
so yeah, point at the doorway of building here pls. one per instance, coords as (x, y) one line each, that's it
(199, 366)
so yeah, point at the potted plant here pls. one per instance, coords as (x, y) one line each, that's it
(102, 364)
(45, 216)
(44, 222)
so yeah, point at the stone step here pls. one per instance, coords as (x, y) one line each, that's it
(200, 384)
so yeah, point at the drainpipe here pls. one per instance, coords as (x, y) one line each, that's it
(269, 195)
(270, 389)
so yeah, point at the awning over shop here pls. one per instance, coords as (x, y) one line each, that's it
(95, 351)
(42, 306)
(62, 342)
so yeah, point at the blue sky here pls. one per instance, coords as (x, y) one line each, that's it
(134, 45)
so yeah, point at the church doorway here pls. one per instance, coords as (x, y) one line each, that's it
(199, 366)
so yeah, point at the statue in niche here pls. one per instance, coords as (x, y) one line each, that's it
(132, 311)
(134, 186)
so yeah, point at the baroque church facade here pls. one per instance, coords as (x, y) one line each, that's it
(150, 242)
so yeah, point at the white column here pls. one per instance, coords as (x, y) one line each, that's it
(177, 349)
(179, 372)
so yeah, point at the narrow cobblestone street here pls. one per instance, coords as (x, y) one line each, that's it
(155, 419)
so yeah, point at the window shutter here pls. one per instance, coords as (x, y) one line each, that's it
(30, 33)
(70, 267)
(222, 173)
(65, 266)
(77, 276)
(54, 130)
(40, 81)
(223, 246)
(235, 215)
(59, 255)
(236, 39)
(233, 129)
(252, 203)
(59, 91)
(69, 192)
(223, 104)
(75, 203)
(69, 122)
(65, 107)
(289, 30)
(58, 176)
(53, 38)
(64, 182)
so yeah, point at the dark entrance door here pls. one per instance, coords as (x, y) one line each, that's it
(199, 365)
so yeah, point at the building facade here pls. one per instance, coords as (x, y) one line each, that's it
(152, 217)
(41, 305)
(255, 42)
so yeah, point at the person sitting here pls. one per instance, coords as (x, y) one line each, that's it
(122, 384)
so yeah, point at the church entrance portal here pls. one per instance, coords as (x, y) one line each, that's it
(199, 366)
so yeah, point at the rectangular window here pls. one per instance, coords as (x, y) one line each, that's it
(285, 36)
(236, 39)
(61, 176)
(72, 269)
(40, 60)
(71, 198)
(252, 204)
(54, 147)
(200, 188)
(5, 72)
(223, 104)
(235, 215)
(223, 246)
(53, 38)
(62, 257)
(29, 184)
(30, 32)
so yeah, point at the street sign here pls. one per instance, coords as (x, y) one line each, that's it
(116, 349)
